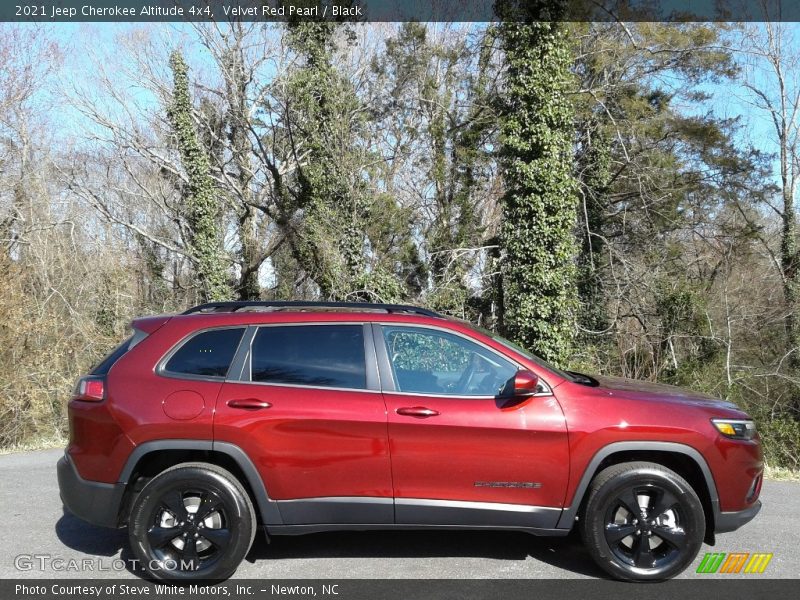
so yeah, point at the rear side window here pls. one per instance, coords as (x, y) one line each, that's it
(316, 355)
(207, 354)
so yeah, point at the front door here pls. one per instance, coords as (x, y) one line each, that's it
(462, 452)
(313, 421)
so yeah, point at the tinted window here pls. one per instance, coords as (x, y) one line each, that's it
(208, 353)
(319, 355)
(432, 362)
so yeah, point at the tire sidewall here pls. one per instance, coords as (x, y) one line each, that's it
(599, 504)
(238, 516)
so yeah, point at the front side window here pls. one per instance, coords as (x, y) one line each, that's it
(207, 354)
(314, 355)
(427, 361)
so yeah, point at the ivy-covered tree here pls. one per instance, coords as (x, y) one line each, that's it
(539, 204)
(199, 198)
(322, 121)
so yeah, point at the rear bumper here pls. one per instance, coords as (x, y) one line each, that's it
(97, 503)
(731, 521)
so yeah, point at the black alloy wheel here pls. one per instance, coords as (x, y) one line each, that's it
(642, 522)
(194, 521)
(190, 528)
(643, 527)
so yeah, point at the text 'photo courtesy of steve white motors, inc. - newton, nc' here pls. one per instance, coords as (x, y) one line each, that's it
(202, 10)
(145, 589)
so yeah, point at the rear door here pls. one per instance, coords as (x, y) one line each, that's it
(307, 409)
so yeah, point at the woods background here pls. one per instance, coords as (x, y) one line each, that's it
(577, 187)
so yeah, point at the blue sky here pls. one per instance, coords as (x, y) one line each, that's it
(727, 99)
(730, 99)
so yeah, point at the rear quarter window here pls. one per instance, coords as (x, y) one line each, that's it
(206, 354)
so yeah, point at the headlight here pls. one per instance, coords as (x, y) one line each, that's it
(737, 429)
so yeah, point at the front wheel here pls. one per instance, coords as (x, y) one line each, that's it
(642, 522)
(193, 521)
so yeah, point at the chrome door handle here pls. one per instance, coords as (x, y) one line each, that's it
(248, 404)
(417, 411)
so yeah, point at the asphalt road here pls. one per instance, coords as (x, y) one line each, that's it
(41, 541)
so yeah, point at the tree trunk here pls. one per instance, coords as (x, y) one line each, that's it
(248, 287)
(790, 261)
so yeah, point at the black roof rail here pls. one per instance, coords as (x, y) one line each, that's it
(215, 307)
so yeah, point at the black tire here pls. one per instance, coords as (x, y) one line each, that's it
(210, 540)
(656, 542)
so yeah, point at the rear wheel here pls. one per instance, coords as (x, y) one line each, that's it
(642, 522)
(193, 521)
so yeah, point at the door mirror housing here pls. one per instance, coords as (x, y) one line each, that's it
(526, 384)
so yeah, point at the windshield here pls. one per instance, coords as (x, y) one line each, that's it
(532, 357)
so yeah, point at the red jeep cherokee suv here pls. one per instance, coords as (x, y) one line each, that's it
(304, 417)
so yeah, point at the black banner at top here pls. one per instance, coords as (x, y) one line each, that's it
(397, 10)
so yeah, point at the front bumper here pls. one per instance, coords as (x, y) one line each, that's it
(97, 503)
(731, 521)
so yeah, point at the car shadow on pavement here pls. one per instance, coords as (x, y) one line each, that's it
(96, 541)
(565, 553)
(89, 539)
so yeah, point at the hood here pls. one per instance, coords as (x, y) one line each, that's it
(647, 390)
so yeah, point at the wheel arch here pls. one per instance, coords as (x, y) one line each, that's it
(684, 460)
(150, 458)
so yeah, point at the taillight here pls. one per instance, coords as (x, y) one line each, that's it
(90, 389)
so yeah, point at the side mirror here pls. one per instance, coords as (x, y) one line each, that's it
(526, 384)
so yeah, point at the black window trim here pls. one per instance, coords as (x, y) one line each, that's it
(161, 366)
(372, 381)
(387, 373)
